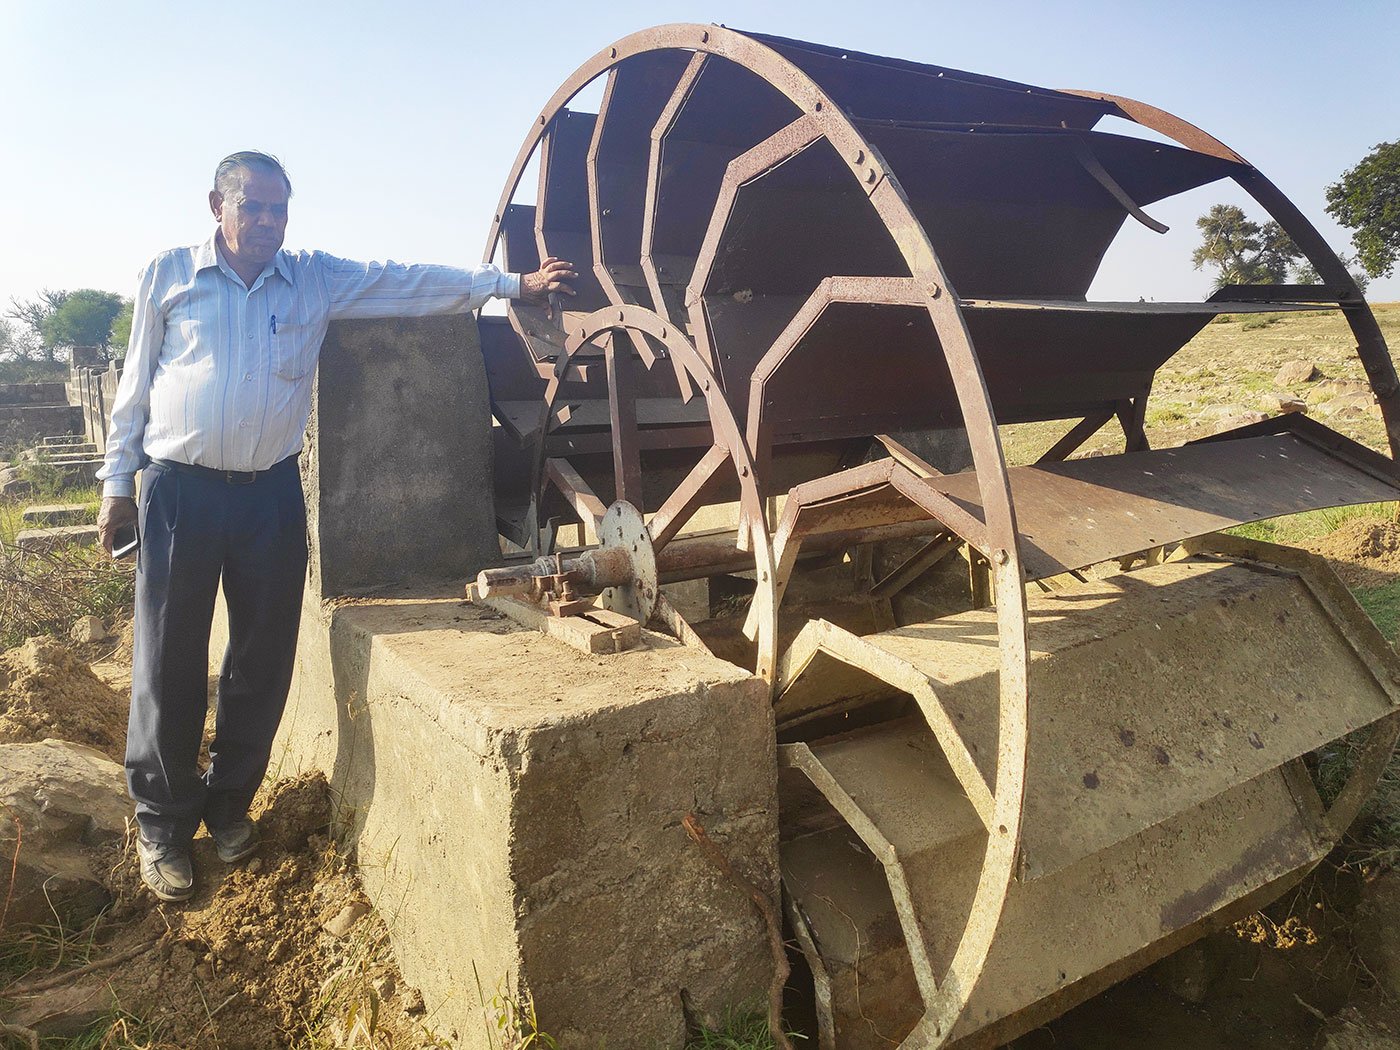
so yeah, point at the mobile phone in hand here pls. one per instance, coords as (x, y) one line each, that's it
(126, 542)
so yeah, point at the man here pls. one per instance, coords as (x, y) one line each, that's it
(213, 402)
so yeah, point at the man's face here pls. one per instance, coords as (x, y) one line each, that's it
(253, 218)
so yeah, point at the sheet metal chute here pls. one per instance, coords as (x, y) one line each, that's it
(813, 284)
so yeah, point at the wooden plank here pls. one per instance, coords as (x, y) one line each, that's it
(596, 631)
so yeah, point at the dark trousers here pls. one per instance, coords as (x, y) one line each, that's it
(195, 531)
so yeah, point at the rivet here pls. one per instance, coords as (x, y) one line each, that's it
(860, 156)
(620, 315)
(818, 107)
(541, 120)
(498, 218)
(1001, 556)
(763, 576)
(664, 332)
(1002, 829)
(612, 52)
(743, 472)
(707, 384)
(704, 38)
(870, 175)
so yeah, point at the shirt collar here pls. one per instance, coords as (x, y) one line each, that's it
(206, 256)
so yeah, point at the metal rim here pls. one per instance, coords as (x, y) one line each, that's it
(727, 437)
(939, 299)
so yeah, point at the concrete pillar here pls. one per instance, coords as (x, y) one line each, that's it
(515, 806)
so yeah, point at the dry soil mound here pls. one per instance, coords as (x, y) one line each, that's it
(46, 691)
(1365, 552)
(264, 954)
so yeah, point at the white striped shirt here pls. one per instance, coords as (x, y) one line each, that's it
(220, 375)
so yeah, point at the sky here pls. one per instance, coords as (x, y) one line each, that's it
(399, 123)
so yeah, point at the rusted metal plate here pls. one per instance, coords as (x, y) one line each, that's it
(1085, 511)
(872, 85)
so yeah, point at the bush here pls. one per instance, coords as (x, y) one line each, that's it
(43, 592)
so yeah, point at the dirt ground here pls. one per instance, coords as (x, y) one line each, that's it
(283, 950)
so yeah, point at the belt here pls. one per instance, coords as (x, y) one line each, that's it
(228, 477)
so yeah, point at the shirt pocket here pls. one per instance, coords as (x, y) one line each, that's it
(293, 355)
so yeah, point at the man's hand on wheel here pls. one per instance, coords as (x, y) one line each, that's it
(116, 511)
(548, 281)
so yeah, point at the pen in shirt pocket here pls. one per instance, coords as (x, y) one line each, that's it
(274, 324)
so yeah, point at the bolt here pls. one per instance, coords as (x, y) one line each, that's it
(743, 472)
(934, 291)
(1001, 556)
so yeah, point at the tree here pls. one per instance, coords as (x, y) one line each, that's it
(16, 345)
(1304, 273)
(1367, 200)
(83, 319)
(1241, 250)
(121, 329)
(59, 320)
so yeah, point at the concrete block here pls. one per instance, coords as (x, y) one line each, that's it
(32, 393)
(55, 538)
(398, 456)
(516, 810)
(46, 515)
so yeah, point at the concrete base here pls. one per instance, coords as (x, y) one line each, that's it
(515, 807)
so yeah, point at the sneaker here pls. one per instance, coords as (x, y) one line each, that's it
(165, 868)
(236, 841)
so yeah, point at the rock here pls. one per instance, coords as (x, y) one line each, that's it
(1242, 420)
(345, 919)
(1376, 932)
(13, 485)
(65, 1013)
(66, 798)
(1349, 405)
(1295, 372)
(1291, 404)
(89, 629)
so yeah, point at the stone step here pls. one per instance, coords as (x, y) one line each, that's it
(55, 538)
(33, 393)
(48, 515)
(62, 440)
(76, 475)
(27, 423)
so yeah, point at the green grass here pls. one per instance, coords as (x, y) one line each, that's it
(741, 1030)
(1382, 604)
(1295, 529)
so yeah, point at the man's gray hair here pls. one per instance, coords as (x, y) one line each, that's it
(226, 175)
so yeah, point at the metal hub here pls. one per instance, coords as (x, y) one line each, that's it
(623, 528)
